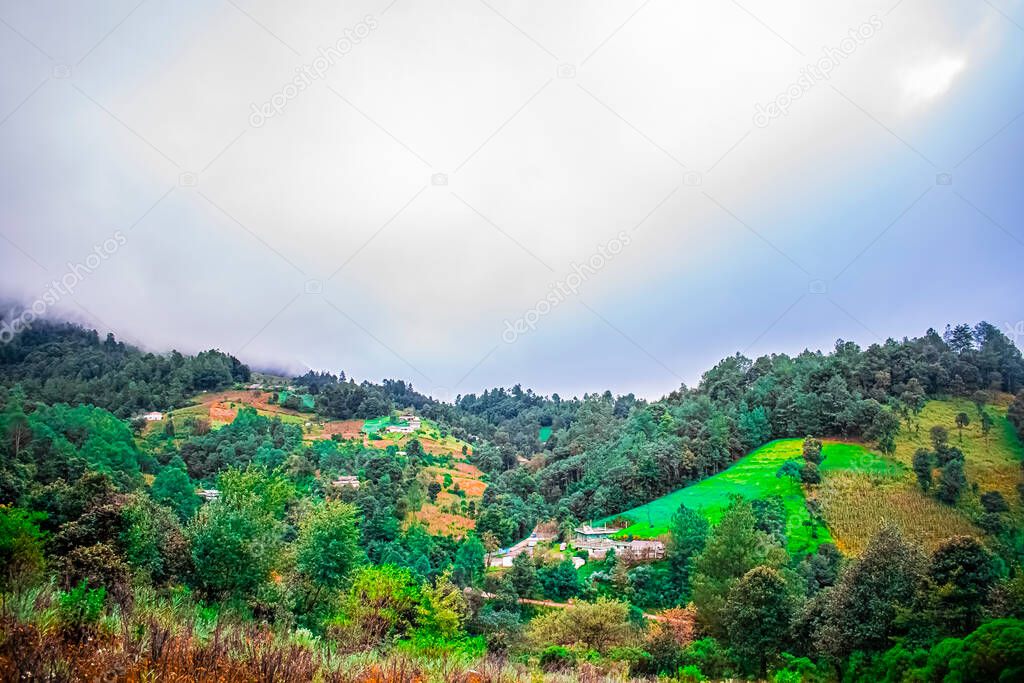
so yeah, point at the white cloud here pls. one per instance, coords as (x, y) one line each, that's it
(544, 182)
(922, 83)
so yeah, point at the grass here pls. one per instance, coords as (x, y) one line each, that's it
(544, 434)
(752, 477)
(380, 424)
(855, 503)
(993, 463)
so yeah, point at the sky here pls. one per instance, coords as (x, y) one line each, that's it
(575, 197)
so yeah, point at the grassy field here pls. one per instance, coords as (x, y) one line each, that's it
(856, 502)
(544, 433)
(378, 424)
(993, 462)
(754, 476)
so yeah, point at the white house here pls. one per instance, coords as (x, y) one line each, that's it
(209, 494)
(346, 481)
(153, 416)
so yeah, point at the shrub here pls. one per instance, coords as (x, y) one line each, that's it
(556, 658)
(690, 674)
(79, 610)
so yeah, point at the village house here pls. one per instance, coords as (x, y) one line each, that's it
(346, 482)
(209, 494)
(412, 423)
(589, 533)
(153, 416)
(598, 541)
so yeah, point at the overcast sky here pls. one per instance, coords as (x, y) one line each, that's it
(466, 194)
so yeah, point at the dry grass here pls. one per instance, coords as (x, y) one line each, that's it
(150, 650)
(855, 505)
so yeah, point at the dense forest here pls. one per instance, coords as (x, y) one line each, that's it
(177, 551)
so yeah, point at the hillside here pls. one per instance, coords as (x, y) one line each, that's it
(860, 489)
(755, 476)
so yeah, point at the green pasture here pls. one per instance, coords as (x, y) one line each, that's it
(379, 424)
(753, 477)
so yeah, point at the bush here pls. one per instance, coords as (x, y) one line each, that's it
(556, 658)
(79, 610)
(690, 674)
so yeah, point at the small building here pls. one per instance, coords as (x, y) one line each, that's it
(590, 533)
(346, 482)
(578, 562)
(209, 494)
(154, 416)
(634, 552)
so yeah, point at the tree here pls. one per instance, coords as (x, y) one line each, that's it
(860, 611)
(414, 449)
(884, 427)
(688, 532)
(994, 652)
(914, 395)
(757, 617)
(598, 625)
(173, 487)
(994, 502)
(443, 609)
(21, 548)
(812, 450)
(733, 548)
(924, 462)
(962, 420)
(559, 581)
(960, 578)
(523, 575)
(791, 469)
(980, 398)
(327, 548)
(1015, 413)
(433, 489)
(940, 437)
(383, 603)
(986, 426)
(468, 567)
(232, 552)
(952, 481)
(810, 474)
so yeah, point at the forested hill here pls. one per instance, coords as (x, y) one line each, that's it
(263, 541)
(65, 363)
(608, 454)
(600, 453)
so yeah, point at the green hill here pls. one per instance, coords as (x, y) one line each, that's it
(860, 490)
(755, 476)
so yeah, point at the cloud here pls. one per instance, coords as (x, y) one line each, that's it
(652, 126)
